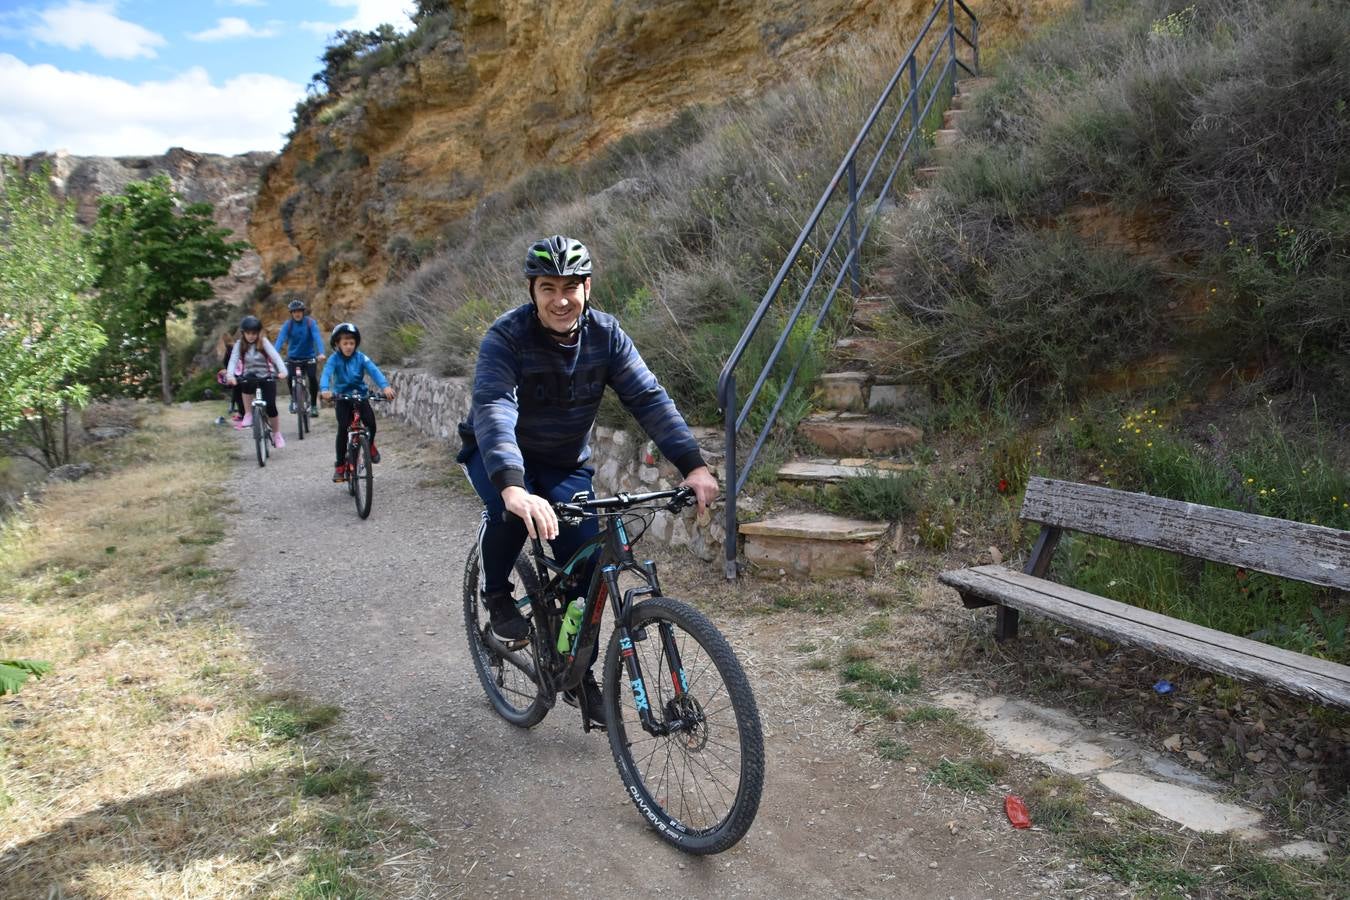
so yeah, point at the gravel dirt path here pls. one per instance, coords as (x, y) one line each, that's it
(366, 614)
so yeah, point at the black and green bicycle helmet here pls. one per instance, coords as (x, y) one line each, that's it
(558, 255)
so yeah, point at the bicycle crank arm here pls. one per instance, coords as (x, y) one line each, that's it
(510, 655)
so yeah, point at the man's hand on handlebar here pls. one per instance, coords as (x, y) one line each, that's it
(535, 511)
(388, 393)
(326, 395)
(704, 485)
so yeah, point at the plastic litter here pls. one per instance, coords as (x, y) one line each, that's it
(1017, 811)
(1163, 687)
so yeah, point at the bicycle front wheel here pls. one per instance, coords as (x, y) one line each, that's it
(301, 415)
(259, 440)
(698, 785)
(363, 478)
(508, 679)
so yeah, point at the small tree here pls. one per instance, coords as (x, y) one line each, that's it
(47, 329)
(154, 255)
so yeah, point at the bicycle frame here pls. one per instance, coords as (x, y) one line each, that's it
(565, 671)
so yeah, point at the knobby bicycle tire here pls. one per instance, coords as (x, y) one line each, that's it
(363, 477)
(680, 807)
(512, 702)
(258, 440)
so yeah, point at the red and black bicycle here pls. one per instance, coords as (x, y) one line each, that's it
(360, 478)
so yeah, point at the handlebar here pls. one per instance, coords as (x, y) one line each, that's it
(679, 498)
(357, 398)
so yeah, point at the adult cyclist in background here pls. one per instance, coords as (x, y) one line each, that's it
(542, 369)
(304, 345)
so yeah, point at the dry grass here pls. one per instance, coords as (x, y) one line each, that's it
(134, 769)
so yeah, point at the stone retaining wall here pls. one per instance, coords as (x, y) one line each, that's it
(623, 460)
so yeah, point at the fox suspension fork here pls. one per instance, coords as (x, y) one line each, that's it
(670, 650)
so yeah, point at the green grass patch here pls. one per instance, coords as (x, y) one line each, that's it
(340, 778)
(291, 717)
(1137, 857)
(327, 877)
(872, 702)
(893, 750)
(967, 776)
(863, 672)
(920, 714)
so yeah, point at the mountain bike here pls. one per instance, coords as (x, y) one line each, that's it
(298, 371)
(684, 730)
(360, 473)
(262, 427)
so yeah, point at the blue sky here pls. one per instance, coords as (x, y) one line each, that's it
(135, 77)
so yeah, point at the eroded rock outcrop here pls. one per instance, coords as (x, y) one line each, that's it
(515, 85)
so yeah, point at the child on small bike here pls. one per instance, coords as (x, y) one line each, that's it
(300, 336)
(346, 373)
(542, 370)
(254, 365)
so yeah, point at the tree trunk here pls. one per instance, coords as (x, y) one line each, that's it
(164, 362)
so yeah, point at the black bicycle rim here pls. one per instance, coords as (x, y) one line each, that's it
(364, 478)
(699, 787)
(512, 693)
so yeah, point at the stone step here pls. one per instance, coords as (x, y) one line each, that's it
(867, 314)
(946, 137)
(926, 175)
(968, 87)
(812, 545)
(951, 118)
(833, 471)
(855, 391)
(857, 434)
(864, 350)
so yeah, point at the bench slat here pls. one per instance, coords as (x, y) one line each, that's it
(1295, 550)
(1317, 679)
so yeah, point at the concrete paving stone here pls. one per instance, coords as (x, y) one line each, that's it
(1187, 806)
(1080, 758)
(1313, 850)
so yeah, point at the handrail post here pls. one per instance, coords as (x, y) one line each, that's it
(951, 39)
(855, 270)
(729, 405)
(913, 96)
(975, 41)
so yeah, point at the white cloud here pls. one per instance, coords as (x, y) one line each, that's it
(230, 28)
(49, 109)
(80, 24)
(366, 15)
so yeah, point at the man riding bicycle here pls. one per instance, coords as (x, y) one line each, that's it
(304, 346)
(542, 370)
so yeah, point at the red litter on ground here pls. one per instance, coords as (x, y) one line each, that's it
(1017, 812)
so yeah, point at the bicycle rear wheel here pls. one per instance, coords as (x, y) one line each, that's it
(508, 679)
(363, 479)
(700, 785)
(259, 439)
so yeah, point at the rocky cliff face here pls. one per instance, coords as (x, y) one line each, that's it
(229, 183)
(516, 84)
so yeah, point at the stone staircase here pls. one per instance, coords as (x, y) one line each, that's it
(861, 426)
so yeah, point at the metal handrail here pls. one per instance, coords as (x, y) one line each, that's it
(736, 410)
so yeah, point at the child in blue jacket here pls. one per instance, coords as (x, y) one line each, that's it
(345, 373)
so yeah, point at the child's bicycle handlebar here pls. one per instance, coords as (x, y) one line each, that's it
(357, 398)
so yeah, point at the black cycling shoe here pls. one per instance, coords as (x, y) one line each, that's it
(595, 700)
(508, 625)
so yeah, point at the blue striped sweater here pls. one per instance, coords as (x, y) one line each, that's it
(535, 400)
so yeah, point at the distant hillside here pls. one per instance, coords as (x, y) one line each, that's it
(229, 183)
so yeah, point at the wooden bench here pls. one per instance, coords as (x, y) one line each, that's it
(1308, 553)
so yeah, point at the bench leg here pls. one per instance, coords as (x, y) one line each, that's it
(1005, 625)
